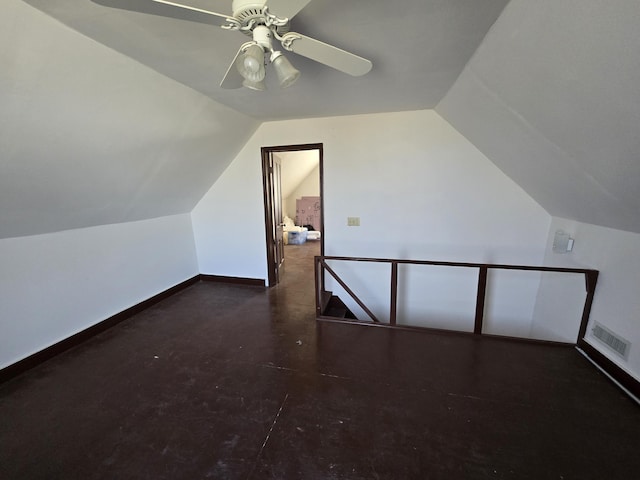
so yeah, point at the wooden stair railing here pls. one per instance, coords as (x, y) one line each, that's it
(323, 297)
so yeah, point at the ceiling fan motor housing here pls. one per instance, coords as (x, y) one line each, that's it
(262, 36)
(247, 10)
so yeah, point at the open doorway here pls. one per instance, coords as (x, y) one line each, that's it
(293, 201)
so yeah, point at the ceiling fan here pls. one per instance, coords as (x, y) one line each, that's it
(265, 21)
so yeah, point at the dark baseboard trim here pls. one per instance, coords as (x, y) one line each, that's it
(37, 358)
(617, 373)
(255, 282)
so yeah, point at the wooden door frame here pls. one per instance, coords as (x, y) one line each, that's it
(267, 188)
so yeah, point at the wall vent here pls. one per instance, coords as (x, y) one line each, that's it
(615, 342)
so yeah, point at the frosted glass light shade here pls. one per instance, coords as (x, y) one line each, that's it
(259, 86)
(287, 74)
(250, 64)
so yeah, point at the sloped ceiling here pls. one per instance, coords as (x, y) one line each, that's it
(296, 167)
(123, 119)
(418, 48)
(552, 96)
(91, 137)
(110, 116)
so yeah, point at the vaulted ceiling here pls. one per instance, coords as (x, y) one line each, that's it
(548, 90)
(552, 96)
(296, 167)
(418, 48)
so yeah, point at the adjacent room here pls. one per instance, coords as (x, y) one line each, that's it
(302, 205)
(317, 239)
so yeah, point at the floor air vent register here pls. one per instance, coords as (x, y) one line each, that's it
(615, 342)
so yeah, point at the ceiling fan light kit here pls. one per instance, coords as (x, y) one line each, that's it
(258, 86)
(287, 74)
(252, 58)
(250, 63)
(263, 20)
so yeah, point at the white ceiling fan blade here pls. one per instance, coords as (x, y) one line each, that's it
(327, 54)
(191, 8)
(168, 9)
(232, 79)
(286, 8)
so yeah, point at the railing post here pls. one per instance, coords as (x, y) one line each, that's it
(482, 289)
(394, 293)
(316, 269)
(591, 279)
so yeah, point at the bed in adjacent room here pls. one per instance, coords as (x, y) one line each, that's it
(298, 234)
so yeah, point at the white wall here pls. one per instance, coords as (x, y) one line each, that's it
(229, 223)
(55, 285)
(616, 305)
(309, 187)
(420, 188)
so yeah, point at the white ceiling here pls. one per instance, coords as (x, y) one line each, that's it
(90, 137)
(552, 97)
(418, 48)
(296, 167)
(548, 90)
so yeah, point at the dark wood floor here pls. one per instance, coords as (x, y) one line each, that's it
(230, 382)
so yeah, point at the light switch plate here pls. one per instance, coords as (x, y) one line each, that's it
(353, 221)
